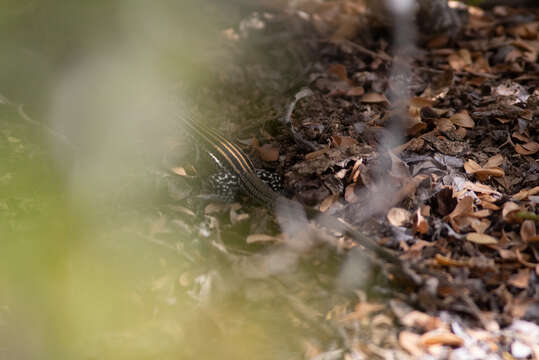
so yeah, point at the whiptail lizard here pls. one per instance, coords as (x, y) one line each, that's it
(230, 158)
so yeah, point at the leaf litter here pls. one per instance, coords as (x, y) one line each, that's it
(456, 199)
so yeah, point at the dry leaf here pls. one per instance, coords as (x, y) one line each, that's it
(355, 91)
(489, 205)
(524, 194)
(179, 171)
(480, 188)
(444, 125)
(350, 193)
(520, 137)
(494, 161)
(374, 98)
(458, 217)
(445, 261)
(317, 153)
(482, 239)
(410, 342)
(398, 216)
(529, 148)
(483, 174)
(481, 226)
(362, 310)
(520, 279)
(507, 211)
(459, 59)
(261, 238)
(420, 102)
(482, 213)
(436, 337)
(528, 231)
(421, 320)
(327, 202)
(421, 225)
(462, 118)
(339, 70)
(268, 153)
(343, 141)
(464, 207)
(213, 208)
(471, 166)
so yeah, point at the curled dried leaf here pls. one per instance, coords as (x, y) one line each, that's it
(494, 161)
(524, 194)
(463, 119)
(529, 148)
(482, 239)
(398, 216)
(528, 231)
(437, 337)
(471, 166)
(520, 279)
(508, 210)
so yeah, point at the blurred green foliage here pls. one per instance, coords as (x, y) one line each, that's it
(81, 277)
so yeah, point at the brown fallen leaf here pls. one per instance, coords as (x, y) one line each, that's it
(528, 231)
(411, 342)
(520, 279)
(481, 226)
(179, 171)
(343, 141)
(464, 208)
(213, 208)
(520, 137)
(463, 119)
(480, 188)
(261, 238)
(529, 148)
(268, 153)
(488, 205)
(482, 213)
(317, 153)
(444, 125)
(484, 174)
(437, 337)
(508, 210)
(494, 161)
(355, 91)
(471, 166)
(327, 202)
(338, 70)
(445, 261)
(420, 102)
(362, 310)
(417, 319)
(421, 225)
(482, 239)
(374, 98)
(398, 216)
(460, 59)
(523, 194)
(350, 193)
